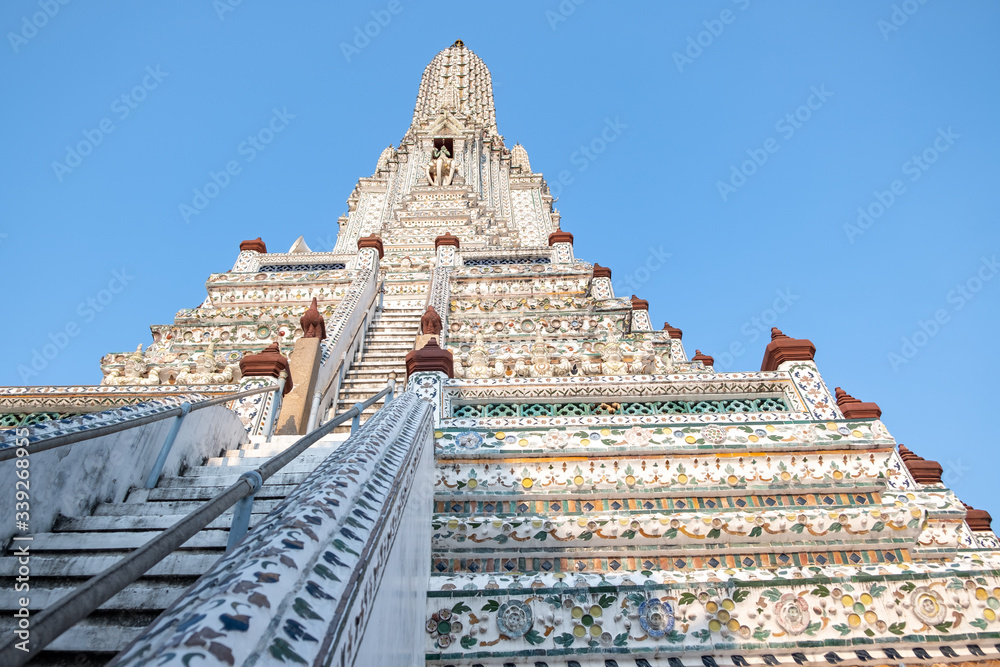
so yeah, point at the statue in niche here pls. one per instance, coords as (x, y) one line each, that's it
(590, 363)
(479, 361)
(648, 362)
(441, 168)
(206, 370)
(645, 361)
(430, 322)
(135, 372)
(562, 366)
(664, 364)
(612, 362)
(539, 364)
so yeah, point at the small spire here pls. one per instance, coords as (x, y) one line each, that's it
(854, 408)
(372, 241)
(776, 333)
(673, 332)
(430, 358)
(312, 322)
(978, 520)
(446, 239)
(923, 470)
(703, 358)
(269, 362)
(256, 245)
(430, 322)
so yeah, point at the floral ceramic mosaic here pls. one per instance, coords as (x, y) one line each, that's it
(600, 497)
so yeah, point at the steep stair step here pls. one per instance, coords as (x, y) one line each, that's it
(181, 564)
(206, 539)
(101, 633)
(183, 507)
(142, 522)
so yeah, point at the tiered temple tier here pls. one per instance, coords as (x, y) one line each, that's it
(245, 311)
(428, 212)
(580, 498)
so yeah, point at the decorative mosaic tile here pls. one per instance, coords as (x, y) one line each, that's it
(281, 587)
(513, 436)
(84, 422)
(635, 613)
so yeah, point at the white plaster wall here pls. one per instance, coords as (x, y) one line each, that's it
(72, 480)
(395, 631)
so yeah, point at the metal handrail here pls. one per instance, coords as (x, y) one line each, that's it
(354, 349)
(179, 411)
(67, 612)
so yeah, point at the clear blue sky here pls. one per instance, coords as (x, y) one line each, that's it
(881, 92)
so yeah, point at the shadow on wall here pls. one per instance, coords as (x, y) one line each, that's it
(71, 480)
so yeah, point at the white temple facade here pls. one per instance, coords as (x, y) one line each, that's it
(555, 482)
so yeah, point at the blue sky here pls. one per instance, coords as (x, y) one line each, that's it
(746, 137)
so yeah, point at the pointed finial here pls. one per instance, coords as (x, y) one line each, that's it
(312, 322)
(923, 470)
(854, 408)
(784, 348)
(703, 358)
(269, 362)
(978, 520)
(430, 358)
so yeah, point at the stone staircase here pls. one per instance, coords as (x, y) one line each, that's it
(78, 548)
(81, 547)
(390, 337)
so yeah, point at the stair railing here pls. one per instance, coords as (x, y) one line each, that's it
(180, 412)
(355, 348)
(70, 610)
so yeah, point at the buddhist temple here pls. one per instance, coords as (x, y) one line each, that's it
(529, 472)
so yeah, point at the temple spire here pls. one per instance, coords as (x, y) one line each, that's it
(456, 82)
